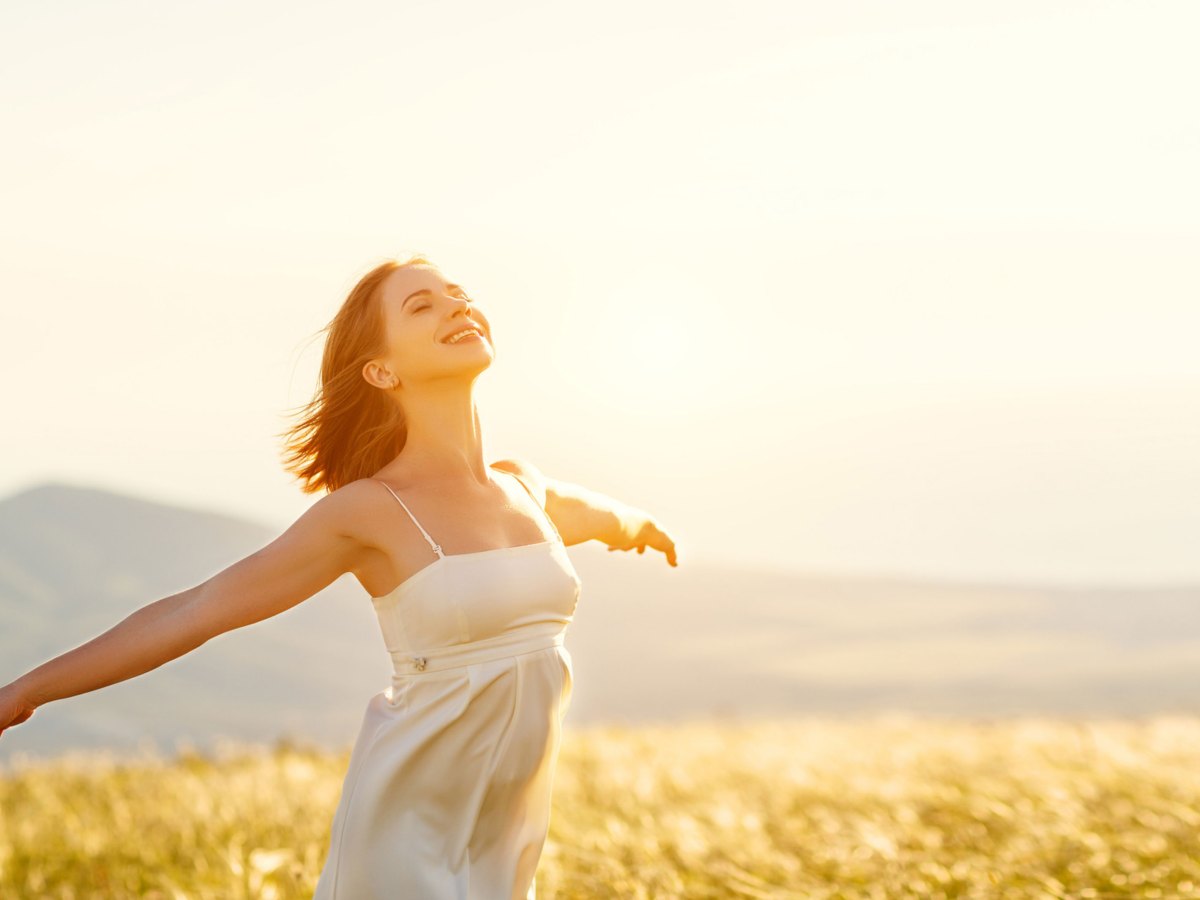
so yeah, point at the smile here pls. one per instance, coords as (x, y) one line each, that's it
(465, 337)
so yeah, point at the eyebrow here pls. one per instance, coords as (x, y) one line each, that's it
(449, 287)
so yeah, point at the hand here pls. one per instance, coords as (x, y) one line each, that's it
(14, 707)
(645, 531)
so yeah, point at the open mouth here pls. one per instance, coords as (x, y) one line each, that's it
(464, 337)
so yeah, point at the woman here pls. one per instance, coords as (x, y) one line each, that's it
(447, 794)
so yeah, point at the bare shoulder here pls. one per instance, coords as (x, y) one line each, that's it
(529, 473)
(577, 513)
(352, 508)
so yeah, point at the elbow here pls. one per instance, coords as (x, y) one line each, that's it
(195, 623)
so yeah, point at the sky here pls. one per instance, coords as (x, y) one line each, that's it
(861, 288)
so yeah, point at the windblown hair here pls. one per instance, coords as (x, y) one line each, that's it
(350, 429)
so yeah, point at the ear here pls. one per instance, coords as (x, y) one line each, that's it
(375, 375)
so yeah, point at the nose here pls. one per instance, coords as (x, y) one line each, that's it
(464, 308)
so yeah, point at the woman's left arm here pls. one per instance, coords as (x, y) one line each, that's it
(581, 514)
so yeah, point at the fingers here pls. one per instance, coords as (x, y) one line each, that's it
(669, 550)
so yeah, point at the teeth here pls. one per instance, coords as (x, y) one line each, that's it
(462, 334)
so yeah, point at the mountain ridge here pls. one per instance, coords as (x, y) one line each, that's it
(650, 643)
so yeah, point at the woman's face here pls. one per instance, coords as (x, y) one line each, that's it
(421, 311)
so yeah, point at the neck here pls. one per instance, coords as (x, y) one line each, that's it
(444, 440)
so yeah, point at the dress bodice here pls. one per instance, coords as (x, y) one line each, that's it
(506, 594)
(502, 599)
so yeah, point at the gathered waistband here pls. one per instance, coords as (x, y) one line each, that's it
(436, 659)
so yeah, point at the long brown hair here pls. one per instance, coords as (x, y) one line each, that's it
(350, 429)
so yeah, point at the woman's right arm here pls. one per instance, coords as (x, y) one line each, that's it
(319, 547)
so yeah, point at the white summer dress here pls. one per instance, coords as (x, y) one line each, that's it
(447, 794)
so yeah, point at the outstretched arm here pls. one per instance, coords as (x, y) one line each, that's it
(581, 514)
(317, 548)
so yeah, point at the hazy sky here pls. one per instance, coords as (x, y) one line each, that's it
(861, 287)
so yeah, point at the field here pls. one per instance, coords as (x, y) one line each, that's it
(893, 807)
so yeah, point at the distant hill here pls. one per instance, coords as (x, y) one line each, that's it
(649, 643)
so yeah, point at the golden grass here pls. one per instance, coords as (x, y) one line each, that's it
(895, 807)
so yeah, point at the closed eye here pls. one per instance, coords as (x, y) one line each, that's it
(417, 309)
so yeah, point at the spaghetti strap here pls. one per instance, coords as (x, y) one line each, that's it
(545, 515)
(432, 543)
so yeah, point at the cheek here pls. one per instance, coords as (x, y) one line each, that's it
(411, 344)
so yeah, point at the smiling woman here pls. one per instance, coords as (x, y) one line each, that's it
(447, 793)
